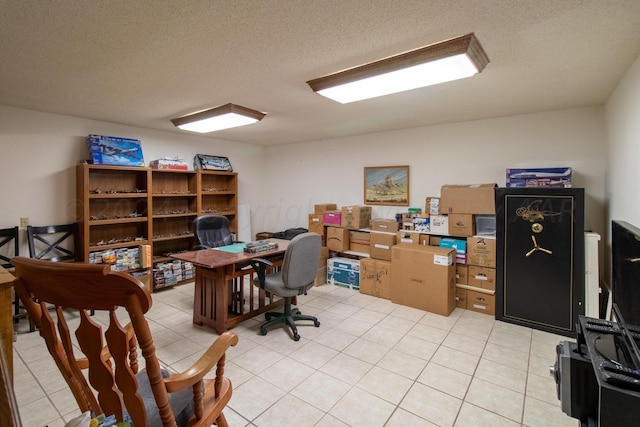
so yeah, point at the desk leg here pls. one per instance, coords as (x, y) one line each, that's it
(211, 298)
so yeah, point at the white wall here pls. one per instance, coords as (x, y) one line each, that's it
(332, 171)
(622, 113)
(39, 151)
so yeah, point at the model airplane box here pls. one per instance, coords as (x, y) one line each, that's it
(113, 150)
(539, 177)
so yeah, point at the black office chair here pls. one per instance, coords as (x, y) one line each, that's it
(10, 247)
(55, 243)
(296, 277)
(212, 231)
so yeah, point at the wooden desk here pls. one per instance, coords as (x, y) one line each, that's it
(6, 318)
(215, 272)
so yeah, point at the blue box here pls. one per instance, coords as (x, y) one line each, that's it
(536, 173)
(113, 150)
(344, 272)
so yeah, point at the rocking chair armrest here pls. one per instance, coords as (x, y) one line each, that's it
(260, 266)
(203, 365)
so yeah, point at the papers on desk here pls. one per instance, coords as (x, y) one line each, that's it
(234, 248)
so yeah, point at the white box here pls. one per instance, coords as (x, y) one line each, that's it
(439, 224)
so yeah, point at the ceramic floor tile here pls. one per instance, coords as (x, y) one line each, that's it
(385, 384)
(369, 316)
(383, 336)
(428, 333)
(520, 343)
(335, 339)
(402, 364)
(542, 414)
(178, 350)
(473, 416)
(514, 358)
(289, 412)
(433, 405)
(366, 350)
(402, 418)
(396, 324)
(540, 366)
(39, 413)
(495, 398)
(446, 380)
(408, 313)
(437, 321)
(314, 354)
(456, 359)
(258, 359)
(464, 343)
(359, 408)
(346, 368)
(342, 309)
(416, 347)
(505, 376)
(254, 397)
(353, 327)
(542, 388)
(321, 390)
(286, 373)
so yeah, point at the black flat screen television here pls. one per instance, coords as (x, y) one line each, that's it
(625, 268)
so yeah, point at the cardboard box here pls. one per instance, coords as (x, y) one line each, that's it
(332, 218)
(482, 277)
(423, 239)
(461, 298)
(408, 237)
(359, 242)
(434, 240)
(344, 272)
(460, 245)
(481, 251)
(323, 207)
(387, 225)
(375, 277)
(381, 244)
(432, 205)
(468, 199)
(356, 217)
(337, 239)
(481, 302)
(439, 224)
(462, 272)
(321, 277)
(421, 223)
(461, 225)
(423, 277)
(316, 224)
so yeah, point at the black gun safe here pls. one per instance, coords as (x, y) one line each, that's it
(540, 257)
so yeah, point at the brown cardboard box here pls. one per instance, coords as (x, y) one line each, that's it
(316, 224)
(469, 199)
(381, 244)
(423, 239)
(412, 237)
(434, 240)
(482, 277)
(462, 274)
(423, 277)
(332, 218)
(359, 242)
(432, 205)
(407, 222)
(337, 239)
(356, 217)
(439, 224)
(461, 297)
(319, 209)
(375, 277)
(321, 277)
(461, 225)
(388, 225)
(481, 302)
(481, 251)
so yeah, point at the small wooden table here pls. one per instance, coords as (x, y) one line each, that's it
(215, 272)
(6, 318)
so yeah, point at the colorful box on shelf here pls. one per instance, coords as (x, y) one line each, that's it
(169, 164)
(344, 272)
(539, 177)
(114, 150)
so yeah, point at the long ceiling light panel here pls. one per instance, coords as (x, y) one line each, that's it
(223, 117)
(451, 59)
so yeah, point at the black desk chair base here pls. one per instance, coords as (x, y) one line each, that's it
(288, 317)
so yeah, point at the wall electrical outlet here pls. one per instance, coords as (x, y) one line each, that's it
(24, 222)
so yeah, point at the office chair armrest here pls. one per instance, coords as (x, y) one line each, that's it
(260, 266)
(214, 354)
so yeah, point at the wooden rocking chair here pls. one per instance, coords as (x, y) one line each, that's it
(151, 397)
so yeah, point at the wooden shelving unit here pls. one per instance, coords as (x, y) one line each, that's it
(125, 207)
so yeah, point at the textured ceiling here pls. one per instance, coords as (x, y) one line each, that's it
(144, 62)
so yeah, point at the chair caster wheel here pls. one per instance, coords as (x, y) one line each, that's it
(263, 332)
(296, 337)
(316, 324)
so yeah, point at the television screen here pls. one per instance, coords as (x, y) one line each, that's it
(625, 266)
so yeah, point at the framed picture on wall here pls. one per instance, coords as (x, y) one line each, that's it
(386, 185)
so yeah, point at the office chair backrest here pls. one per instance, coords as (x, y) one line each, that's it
(53, 242)
(212, 231)
(301, 260)
(9, 246)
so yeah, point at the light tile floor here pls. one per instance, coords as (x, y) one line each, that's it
(370, 363)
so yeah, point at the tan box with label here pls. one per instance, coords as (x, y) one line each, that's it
(405, 236)
(316, 224)
(386, 225)
(360, 241)
(482, 277)
(461, 225)
(481, 251)
(375, 277)
(356, 217)
(381, 244)
(461, 274)
(481, 302)
(423, 277)
(320, 208)
(461, 298)
(337, 239)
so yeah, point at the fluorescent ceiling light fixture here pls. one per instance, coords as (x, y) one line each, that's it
(441, 62)
(223, 117)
